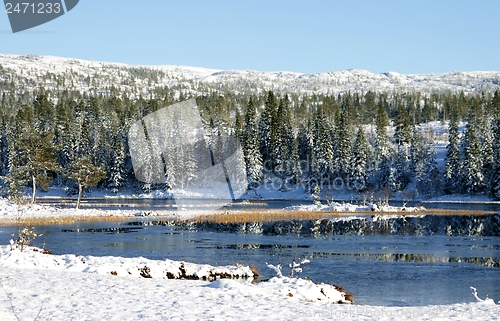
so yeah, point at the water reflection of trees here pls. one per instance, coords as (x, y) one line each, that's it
(426, 258)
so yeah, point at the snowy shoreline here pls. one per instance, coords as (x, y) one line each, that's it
(62, 287)
(46, 214)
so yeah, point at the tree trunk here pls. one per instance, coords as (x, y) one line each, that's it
(34, 190)
(80, 188)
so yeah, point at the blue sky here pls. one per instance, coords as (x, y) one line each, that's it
(424, 36)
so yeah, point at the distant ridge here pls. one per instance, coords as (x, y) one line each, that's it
(33, 72)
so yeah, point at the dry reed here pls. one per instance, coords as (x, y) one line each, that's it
(259, 216)
(232, 217)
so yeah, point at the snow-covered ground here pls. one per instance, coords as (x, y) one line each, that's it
(12, 211)
(93, 282)
(69, 287)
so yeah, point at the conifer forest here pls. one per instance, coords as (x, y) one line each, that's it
(360, 142)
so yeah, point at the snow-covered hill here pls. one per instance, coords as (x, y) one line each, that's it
(33, 72)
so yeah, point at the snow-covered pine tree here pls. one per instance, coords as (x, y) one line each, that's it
(4, 147)
(305, 144)
(453, 165)
(383, 150)
(239, 126)
(81, 137)
(429, 112)
(253, 158)
(416, 150)
(287, 135)
(266, 120)
(117, 173)
(44, 113)
(189, 163)
(322, 146)
(180, 165)
(359, 163)
(281, 140)
(495, 177)
(401, 173)
(402, 139)
(62, 132)
(484, 127)
(472, 161)
(295, 170)
(385, 174)
(429, 179)
(383, 147)
(342, 152)
(402, 124)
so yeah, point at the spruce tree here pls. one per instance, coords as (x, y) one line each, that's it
(4, 147)
(342, 153)
(495, 177)
(266, 122)
(286, 121)
(401, 173)
(44, 113)
(402, 124)
(472, 161)
(453, 165)
(117, 174)
(62, 132)
(81, 136)
(383, 146)
(429, 179)
(322, 147)
(281, 140)
(296, 170)
(484, 127)
(190, 165)
(359, 162)
(253, 158)
(305, 142)
(383, 150)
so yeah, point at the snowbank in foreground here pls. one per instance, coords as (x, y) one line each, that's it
(31, 292)
(36, 258)
(119, 266)
(347, 207)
